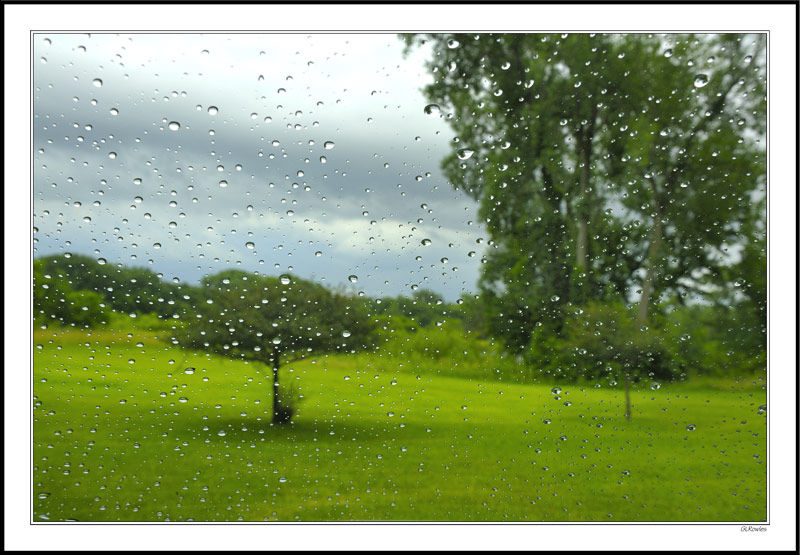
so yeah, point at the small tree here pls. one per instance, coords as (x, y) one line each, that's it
(275, 321)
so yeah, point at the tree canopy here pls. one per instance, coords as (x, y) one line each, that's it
(615, 167)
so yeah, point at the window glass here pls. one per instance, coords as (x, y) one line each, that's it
(448, 277)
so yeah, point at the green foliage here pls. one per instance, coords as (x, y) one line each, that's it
(604, 166)
(56, 303)
(445, 348)
(264, 318)
(126, 290)
(602, 341)
(715, 340)
(424, 307)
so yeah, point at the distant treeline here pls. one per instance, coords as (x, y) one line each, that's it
(242, 314)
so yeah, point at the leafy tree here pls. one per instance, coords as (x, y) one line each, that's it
(535, 118)
(127, 290)
(424, 307)
(695, 160)
(611, 167)
(55, 302)
(275, 321)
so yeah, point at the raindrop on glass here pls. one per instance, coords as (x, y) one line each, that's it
(432, 110)
(700, 80)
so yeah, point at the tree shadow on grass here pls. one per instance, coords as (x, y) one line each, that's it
(234, 429)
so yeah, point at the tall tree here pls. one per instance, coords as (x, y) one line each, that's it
(695, 159)
(604, 165)
(535, 119)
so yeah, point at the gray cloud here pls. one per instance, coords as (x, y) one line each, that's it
(246, 186)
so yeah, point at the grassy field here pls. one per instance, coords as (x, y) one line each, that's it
(129, 428)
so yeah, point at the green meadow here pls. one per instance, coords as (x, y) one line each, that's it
(127, 427)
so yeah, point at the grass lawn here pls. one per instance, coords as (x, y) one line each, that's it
(122, 431)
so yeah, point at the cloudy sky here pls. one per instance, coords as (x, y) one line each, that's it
(190, 153)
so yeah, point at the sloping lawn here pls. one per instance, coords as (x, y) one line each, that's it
(130, 428)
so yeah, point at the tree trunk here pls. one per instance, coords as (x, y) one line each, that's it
(647, 288)
(581, 246)
(581, 271)
(627, 396)
(281, 412)
(649, 278)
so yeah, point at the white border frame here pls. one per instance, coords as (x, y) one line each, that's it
(779, 20)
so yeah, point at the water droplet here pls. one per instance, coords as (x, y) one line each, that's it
(655, 385)
(465, 154)
(444, 260)
(250, 245)
(318, 253)
(223, 183)
(276, 341)
(346, 334)
(156, 245)
(432, 110)
(44, 495)
(189, 370)
(183, 400)
(352, 278)
(453, 43)
(112, 155)
(174, 126)
(700, 80)
(555, 390)
(668, 53)
(426, 242)
(285, 279)
(114, 111)
(555, 298)
(691, 428)
(212, 110)
(97, 83)
(329, 145)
